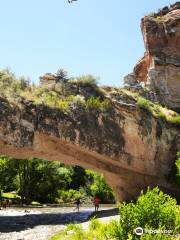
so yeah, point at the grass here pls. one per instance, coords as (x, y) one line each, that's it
(15, 196)
(35, 203)
(12, 88)
(158, 111)
(97, 230)
(153, 15)
(48, 98)
(9, 195)
(96, 103)
(158, 19)
(54, 100)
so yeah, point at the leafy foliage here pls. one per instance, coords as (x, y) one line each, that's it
(10, 85)
(96, 103)
(177, 164)
(99, 187)
(49, 182)
(61, 76)
(13, 88)
(53, 100)
(152, 210)
(49, 98)
(86, 80)
(158, 111)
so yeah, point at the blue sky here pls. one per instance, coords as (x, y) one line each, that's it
(99, 37)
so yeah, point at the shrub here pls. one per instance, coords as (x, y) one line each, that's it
(144, 103)
(10, 85)
(69, 195)
(62, 76)
(97, 104)
(151, 14)
(48, 98)
(158, 111)
(177, 165)
(86, 80)
(153, 210)
(174, 119)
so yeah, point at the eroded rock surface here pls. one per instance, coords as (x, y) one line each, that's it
(160, 66)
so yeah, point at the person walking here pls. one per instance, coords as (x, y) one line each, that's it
(96, 203)
(77, 202)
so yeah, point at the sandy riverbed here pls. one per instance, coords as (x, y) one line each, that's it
(40, 224)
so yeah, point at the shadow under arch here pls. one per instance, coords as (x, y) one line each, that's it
(126, 183)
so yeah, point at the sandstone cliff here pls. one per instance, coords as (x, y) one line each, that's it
(160, 66)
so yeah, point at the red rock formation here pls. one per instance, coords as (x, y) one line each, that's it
(48, 77)
(160, 66)
(141, 69)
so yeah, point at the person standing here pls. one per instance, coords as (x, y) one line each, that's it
(77, 202)
(96, 203)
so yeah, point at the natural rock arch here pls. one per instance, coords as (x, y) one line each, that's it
(132, 148)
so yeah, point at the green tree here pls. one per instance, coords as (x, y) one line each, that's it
(78, 177)
(46, 181)
(96, 186)
(8, 174)
(41, 180)
(61, 76)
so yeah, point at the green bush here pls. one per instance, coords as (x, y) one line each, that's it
(86, 80)
(174, 175)
(49, 98)
(144, 103)
(153, 210)
(174, 119)
(10, 85)
(97, 104)
(151, 14)
(158, 111)
(68, 196)
(177, 165)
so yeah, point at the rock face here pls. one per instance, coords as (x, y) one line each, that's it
(130, 79)
(132, 148)
(160, 66)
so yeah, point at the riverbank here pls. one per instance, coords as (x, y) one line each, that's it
(40, 224)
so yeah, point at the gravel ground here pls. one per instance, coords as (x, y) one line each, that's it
(40, 224)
